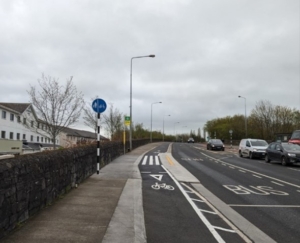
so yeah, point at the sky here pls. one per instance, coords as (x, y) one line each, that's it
(207, 53)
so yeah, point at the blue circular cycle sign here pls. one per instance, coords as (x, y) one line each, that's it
(99, 105)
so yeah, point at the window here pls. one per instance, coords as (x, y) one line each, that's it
(19, 119)
(18, 136)
(11, 135)
(42, 139)
(2, 134)
(38, 125)
(37, 138)
(12, 117)
(42, 126)
(24, 120)
(32, 123)
(31, 138)
(4, 114)
(24, 136)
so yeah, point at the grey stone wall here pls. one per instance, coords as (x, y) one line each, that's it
(31, 182)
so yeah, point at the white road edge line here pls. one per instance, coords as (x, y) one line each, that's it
(270, 177)
(200, 214)
(237, 230)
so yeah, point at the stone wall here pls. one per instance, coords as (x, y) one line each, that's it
(31, 182)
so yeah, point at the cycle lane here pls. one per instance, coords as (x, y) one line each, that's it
(173, 210)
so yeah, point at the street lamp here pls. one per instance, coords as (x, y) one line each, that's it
(174, 128)
(159, 102)
(164, 127)
(130, 132)
(245, 115)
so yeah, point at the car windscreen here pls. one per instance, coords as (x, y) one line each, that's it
(296, 135)
(216, 141)
(291, 147)
(259, 143)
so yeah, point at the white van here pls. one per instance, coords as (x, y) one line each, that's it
(251, 148)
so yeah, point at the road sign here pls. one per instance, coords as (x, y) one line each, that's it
(99, 105)
(127, 120)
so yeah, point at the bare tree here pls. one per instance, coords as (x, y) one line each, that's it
(90, 116)
(57, 106)
(113, 121)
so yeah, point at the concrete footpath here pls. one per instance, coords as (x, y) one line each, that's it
(104, 208)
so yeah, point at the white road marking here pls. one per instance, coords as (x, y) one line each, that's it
(231, 167)
(277, 183)
(150, 160)
(157, 177)
(257, 176)
(265, 206)
(156, 160)
(254, 172)
(242, 171)
(145, 160)
(210, 227)
(145, 172)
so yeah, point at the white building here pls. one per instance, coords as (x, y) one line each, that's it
(16, 121)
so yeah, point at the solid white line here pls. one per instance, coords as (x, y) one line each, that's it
(277, 183)
(145, 160)
(206, 211)
(270, 177)
(228, 230)
(200, 214)
(156, 160)
(265, 206)
(150, 160)
(197, 200)
(257, 176)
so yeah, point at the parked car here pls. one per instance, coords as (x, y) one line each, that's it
(285, 153)
(215, 144)
(190, 140)
(253, 148)
(295, 138)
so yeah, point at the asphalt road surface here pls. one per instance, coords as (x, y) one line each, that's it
(267, 195)
(174, 211)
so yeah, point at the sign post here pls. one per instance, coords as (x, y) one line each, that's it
(230, 131)
(126, 123)
(98, 106)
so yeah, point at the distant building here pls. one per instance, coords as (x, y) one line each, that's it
(70, 137)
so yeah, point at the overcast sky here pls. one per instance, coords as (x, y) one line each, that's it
(207, 53)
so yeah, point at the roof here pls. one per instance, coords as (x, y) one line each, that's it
(18, 107)
(81, 133)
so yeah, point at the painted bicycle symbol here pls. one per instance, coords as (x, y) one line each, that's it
(157, 186)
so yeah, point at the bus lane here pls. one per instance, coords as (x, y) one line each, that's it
(269, 202)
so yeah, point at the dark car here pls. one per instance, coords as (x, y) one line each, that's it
(286, 153)
(190, 140)
(215, 144)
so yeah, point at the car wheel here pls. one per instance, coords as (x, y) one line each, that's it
(283, 161)
(240, 153)
(250, 155)
(267, 159)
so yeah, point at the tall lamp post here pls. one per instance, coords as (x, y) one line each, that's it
(164, 127)
(130, 131)
(245, 115)
(159, 102)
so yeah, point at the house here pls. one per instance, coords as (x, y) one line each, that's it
(18, 121)
(70, 137)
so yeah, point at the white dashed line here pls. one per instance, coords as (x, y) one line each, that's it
(277, 183)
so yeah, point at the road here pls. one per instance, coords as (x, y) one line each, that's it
(265, 195)
(174, 211)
